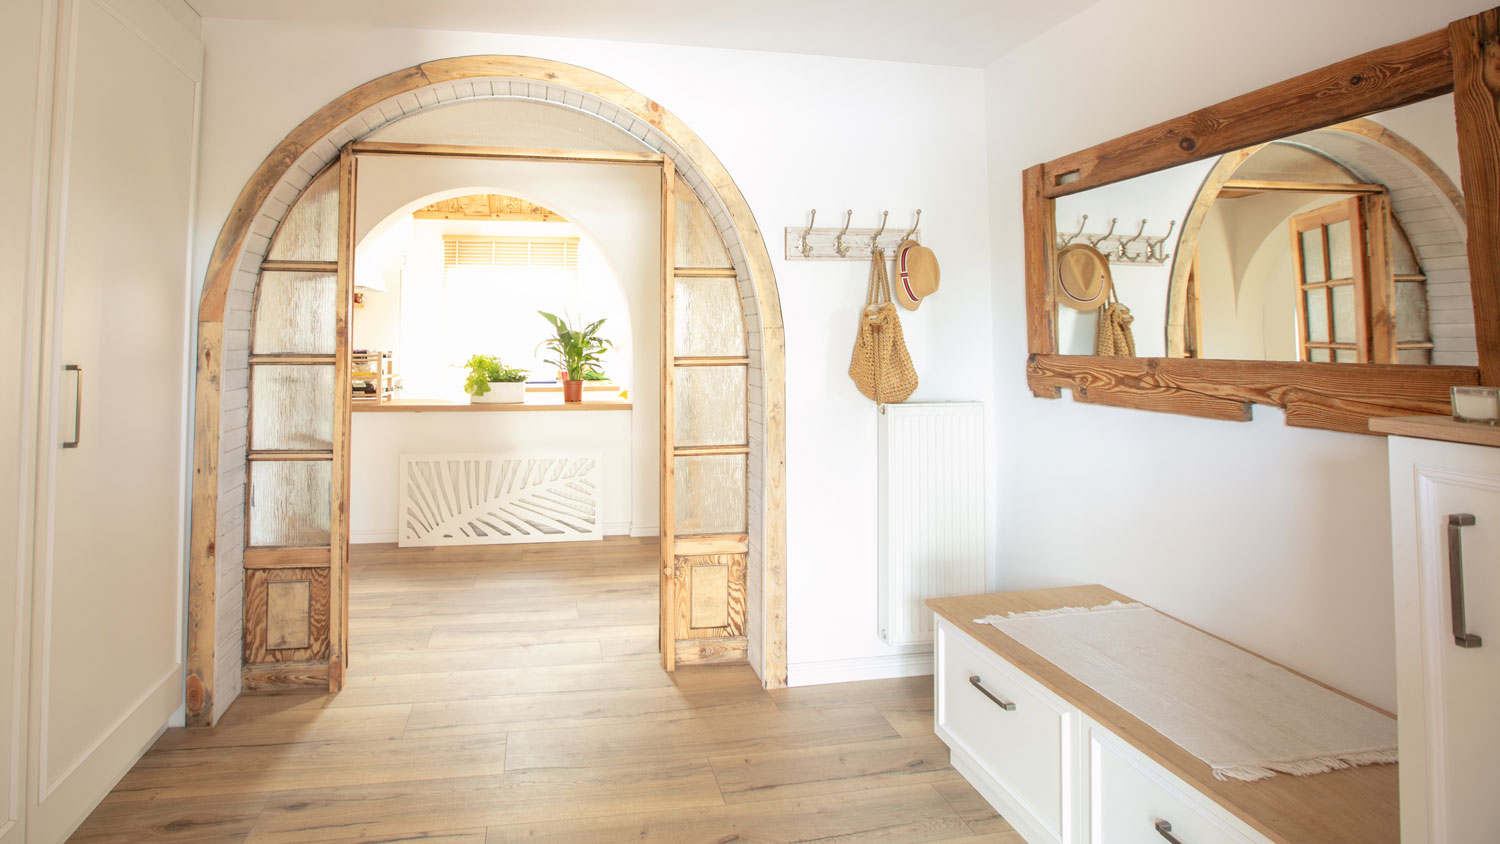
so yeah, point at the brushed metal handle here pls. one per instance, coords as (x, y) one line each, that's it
(1164, 829)
(979, 684)
(1461, 635)
(77, 406)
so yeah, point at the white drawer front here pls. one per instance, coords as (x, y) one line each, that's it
(1027, 751)
(1130, 795)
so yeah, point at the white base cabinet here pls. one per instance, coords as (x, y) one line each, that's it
(1445, 524)
(1057, 776)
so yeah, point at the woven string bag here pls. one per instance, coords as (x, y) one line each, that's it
(881, 366)
(1114, 338)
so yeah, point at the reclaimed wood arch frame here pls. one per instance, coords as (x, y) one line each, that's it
(1223, 170)
(319, 137)
(1459, 59)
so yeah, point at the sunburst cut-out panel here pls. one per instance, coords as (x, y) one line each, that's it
(491, 499)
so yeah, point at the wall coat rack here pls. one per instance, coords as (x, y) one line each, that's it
(807, 243)
(1123, 248)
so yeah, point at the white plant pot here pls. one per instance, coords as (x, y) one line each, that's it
(503, 392)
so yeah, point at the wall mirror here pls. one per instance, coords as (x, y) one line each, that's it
(1307, 245)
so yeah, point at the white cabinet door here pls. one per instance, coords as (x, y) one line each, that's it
(24, 99)
(109, 581)
(1449, 733)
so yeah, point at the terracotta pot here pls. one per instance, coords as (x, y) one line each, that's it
(572, 391)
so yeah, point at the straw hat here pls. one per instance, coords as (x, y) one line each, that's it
(1083, 278)
(917, 274)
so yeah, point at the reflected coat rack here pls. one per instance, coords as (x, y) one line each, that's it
(807, 243)
(1121, 248)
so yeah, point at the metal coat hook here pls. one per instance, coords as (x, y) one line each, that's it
(1124, 242)
(875, 238)
(1072, 237)
(838, 242)
(807, 247)
(1095, 241)
(913, 230)
(1153, 249)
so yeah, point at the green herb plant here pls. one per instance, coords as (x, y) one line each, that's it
(576, 351)
(487, 369)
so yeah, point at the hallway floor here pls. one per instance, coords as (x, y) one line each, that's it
(513, 693)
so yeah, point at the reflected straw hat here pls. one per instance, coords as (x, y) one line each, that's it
(1083, 278)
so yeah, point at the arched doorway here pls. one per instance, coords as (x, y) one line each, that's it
(708, 199)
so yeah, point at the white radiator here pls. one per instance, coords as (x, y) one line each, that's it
(932, 512)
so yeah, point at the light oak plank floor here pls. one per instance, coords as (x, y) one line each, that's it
(511, 694)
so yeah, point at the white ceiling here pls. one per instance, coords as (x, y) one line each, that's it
(969, 33)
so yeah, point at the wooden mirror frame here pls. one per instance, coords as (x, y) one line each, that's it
(1463, 59)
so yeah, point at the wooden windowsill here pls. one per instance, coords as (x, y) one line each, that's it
(534, 402)
(1437, 428)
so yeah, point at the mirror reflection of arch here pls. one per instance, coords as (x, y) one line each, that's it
(433, 312)
(1264, 264)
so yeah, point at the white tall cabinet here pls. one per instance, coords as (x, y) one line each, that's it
(1445, 519)
(102, 104)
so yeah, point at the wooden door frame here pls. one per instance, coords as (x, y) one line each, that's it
(317, 138)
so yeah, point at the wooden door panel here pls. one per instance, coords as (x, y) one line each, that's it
(296, 580)
(704, 440)
(710, 595)
(286, 615)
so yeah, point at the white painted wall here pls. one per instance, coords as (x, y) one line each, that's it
(1275, 538)
(795, 132)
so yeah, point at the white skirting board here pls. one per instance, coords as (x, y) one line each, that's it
(884, 667)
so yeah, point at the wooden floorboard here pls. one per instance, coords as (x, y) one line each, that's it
(514, 693)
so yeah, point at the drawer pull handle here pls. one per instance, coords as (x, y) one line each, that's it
(1461, 635)
(1003, 704)
(1164, 829)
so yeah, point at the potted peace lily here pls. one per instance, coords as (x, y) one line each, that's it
(491, 381)
(576, 352)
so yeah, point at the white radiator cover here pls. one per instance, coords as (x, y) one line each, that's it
(932, 513)
(496, 499)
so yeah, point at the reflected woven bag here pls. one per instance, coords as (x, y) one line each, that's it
(881, 367)
(1114, 337)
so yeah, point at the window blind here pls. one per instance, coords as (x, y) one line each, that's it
(472, 251)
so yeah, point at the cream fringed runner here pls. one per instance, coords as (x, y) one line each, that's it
(1244, 716)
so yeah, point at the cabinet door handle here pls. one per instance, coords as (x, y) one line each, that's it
(1164, 829)
(979, 684)
(77, 406)
(1461, 635)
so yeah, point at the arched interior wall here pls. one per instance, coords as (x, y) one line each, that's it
(605, 122)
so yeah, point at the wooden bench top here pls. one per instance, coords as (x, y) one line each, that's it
(1353, 806)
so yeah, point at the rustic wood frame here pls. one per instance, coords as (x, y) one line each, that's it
(202, 573)
(1463, 59)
